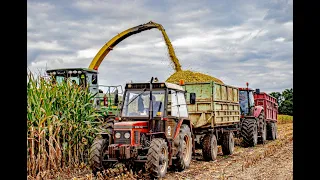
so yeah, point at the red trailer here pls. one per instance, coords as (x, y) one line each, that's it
(269, 105)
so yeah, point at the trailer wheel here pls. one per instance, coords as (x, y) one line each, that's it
(185, 149)
(210, 147)
(249, 133)
(227, 143)
(262, 129)
(96, 154)
(276, 129)
(272, 131)
(157, 158)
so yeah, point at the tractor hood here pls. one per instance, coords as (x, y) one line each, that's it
(131, 125)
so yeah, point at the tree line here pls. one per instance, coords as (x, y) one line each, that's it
(285, 101)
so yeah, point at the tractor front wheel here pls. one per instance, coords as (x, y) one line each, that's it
(157, 158)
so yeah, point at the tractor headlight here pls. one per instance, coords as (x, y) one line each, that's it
(127, 135)
(117, 135)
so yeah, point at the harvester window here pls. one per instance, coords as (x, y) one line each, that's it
(59, 79)
(75, 80)
(94, 79)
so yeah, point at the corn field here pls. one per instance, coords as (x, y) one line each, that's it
(61, 124)
(283, 119)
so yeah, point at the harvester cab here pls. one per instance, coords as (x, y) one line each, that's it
(87, 78)
(151, 129)
(80, 76)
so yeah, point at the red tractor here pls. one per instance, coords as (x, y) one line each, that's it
(256, 123)
(152, 130)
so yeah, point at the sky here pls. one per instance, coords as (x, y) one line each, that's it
(234, 40)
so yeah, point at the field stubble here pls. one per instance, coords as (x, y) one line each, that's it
(272, 160)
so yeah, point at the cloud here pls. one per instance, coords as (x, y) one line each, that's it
(235, 41)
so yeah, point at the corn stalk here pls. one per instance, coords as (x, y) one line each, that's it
(59, 117)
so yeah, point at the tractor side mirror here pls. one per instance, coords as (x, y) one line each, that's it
(192, 98)
(116, 97)
(257, 91)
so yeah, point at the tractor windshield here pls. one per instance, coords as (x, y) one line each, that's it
(243, 99)
(136, 103)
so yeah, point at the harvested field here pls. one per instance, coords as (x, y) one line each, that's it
(282, 119)
(273, 160)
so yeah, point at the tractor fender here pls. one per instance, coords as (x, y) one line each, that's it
(257, 111)
(176, 133)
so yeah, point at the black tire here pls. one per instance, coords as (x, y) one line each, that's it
(262, 129)
(249, 133)
(109, 125)
(96, 154)
(157, 158)
(108, 129)
(185, 149)
(271, 131)
(210, 147)
(227, 143)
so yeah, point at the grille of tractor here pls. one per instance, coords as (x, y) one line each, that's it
(136, 137)
(122, 139)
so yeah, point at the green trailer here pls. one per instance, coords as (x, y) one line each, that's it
(215, 116)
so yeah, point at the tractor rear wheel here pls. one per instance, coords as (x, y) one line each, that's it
(262, 129)
(157, 158)
(227, 143)
(96, 154)
(249, 132)
(210, 147)
(185, 149)
(272, 131)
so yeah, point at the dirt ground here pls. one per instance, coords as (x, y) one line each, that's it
(273, 160)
